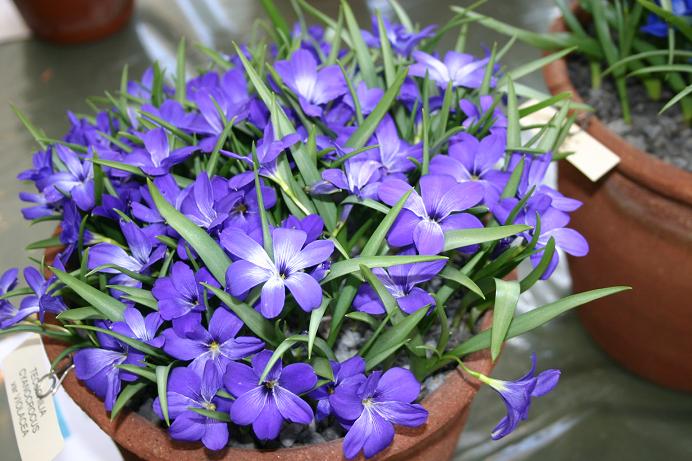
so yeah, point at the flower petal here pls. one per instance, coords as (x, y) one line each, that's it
(239, 378)
(398, 384)
(273, 297)
(247, 408)
(268, 423)
(298, 378)
(292, 407)
(242, 276)
(305, 289)
(428, 237)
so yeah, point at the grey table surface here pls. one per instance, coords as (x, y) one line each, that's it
(598, 411)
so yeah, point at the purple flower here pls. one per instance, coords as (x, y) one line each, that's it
(371, 409)
(517, 395)
(498, 121)
(275, 399)
(136, 326)
(657, 26)
(156, 158)
(400, 281)
(143, 248)
(312, 87)
(9, 314)
(189, 389)
(200, 202)
(69, 230)
(394, 153)
(312, 225)
(243, 209)
(40, 208)
(291, 257)
(344, 371)
(426, 217)
(459, 68)
(553, 224)
(367, 98)
(268, 150)
(471, 160)
(98, 367)
(181, 292)
(189, 340)
(359, 177)
(77, 180)
(42, 300)
(402, 40)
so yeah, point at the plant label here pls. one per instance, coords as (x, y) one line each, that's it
(588, 155)
(34, 419)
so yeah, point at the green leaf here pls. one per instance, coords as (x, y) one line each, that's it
(365, 131)
(395, 337)
(129, 391)
(450, 273)
(276, 18)
(217, 415)
(341, 268)
(110, 307)
(162, 372)
(51, 242)
(137, 295)
(677, 98)
(506, 299)
(390, 304)
(323, 368)
(214, 257)
(37, 133)
(118, 166)
(535, 275)
(368, 202)
(136, 344)
(513, 126)
(386, 48)
(315, 320)
(80, 313)
(135, 275)
(289, 342)
(532, 66)
(360, 49)
(375, 241)
(250, 317)
(365, 318)
(535, 318)
(139, 371)
(465, 237)
(180, 72)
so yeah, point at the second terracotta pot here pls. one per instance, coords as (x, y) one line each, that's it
(638, 221)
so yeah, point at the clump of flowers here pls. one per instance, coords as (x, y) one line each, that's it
(220, 235)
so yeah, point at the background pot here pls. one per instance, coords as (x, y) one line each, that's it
(638, 221)
(449, 405)
(74, 21)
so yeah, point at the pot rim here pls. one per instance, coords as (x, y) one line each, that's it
(445, 404)
(636, 164)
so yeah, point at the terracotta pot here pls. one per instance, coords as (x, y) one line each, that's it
(638, 221)
(138, 438)
(74, 21)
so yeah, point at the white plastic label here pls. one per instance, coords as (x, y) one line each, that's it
(589, 156)
(34, 419)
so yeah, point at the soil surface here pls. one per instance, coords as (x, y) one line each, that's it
(665, 136)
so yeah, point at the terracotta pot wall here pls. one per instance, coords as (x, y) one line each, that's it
(638, 221)
(449, 408)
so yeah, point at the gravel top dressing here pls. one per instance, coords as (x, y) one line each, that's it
(665, 136)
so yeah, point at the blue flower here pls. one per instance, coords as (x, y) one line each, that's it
(517, 395)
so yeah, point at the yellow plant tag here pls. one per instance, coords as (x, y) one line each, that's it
(34, 419)
(589, 156)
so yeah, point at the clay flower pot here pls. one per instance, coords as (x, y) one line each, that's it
(137, 438)
(638, 221)
(74, 21)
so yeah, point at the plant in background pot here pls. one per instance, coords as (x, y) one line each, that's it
(631, 63)
(298, 245)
